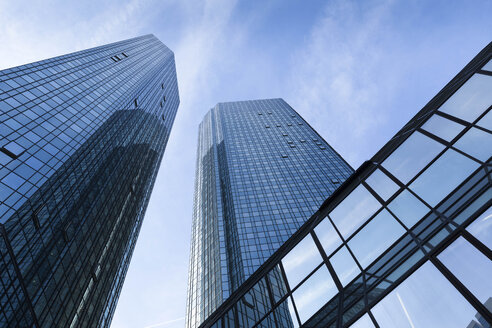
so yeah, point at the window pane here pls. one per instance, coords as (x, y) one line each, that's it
(488, 66)
(481, 228)
(301, 261)
(375, 238)
(354, 210)
(292, 313)
(443, 176)
(476, 143)
(382, 185)
(425, 299)
(442, 127)
(470, 266)
(314, 293)
(471, 100)
(486, 121)
(327, 236)
(363, 322)
(344, 266)
(412, 156)
(407, 208)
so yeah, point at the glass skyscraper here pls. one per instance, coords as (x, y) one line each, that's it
(404, 242)
(81, 139)
(261, 172)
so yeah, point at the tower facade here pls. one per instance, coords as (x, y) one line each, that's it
(405, 241)
(82, 137)
(261, 172)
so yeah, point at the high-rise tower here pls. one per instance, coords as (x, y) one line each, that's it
(261, 173)
(82, 137)
(404, 242)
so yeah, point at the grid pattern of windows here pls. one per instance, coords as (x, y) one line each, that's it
(261, 172)
(82, 136)
(406, 241)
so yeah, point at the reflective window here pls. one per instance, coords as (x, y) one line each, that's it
(382, 184)
(443, 176)
(408, 208)
(363, 322)
(471, 100)
(470, 266)
(486, 121)
(344, 266)
(481, 228)
(412, 156)
(488, 66)
(442, 127)
(354, 210)
(292, 313)
(314, 293)
(301, 261)
(14, 148)
(327, 236)
(375, 237)
(425, 299)
(477, 143)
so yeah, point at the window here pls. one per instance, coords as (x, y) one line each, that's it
(412, 156)
(481, 228)
(488, 66)
(425, 299)
(407, 208)
(301, 261)
(327, 236)
(438, 180)
(476, 143)
(344, 265)
(354, 210)
(470, 266)
(314, 293)
(382, 184)
(471, 100)
(12, 149)
(442, 127)
(379, 234)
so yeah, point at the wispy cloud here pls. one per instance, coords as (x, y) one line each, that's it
(405, 310)
(335, 82)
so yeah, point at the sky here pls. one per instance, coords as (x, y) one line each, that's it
(357, 71)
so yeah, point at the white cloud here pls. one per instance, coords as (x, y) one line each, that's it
(335, 81)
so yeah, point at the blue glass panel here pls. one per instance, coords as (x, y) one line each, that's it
(471, 100)
(470, 266)
(486, 121)
(445, 174)
(488, 66)
(481, 228)
(442, 127)
(412, 156)
(354, 210)
(408, 208)
(382, 184)
(344, 265)
(380, 233)
(314, 293)
(425, 299)
(301, 261)
(476, 143)
(327, 236)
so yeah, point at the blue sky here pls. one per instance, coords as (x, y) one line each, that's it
(357, 71)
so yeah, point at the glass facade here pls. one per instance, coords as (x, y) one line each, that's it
(406, 240)
(82, 136)
(261, 172)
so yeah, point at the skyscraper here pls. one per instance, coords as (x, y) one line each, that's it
(261, 172)
(405, 241)
(82, 137)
